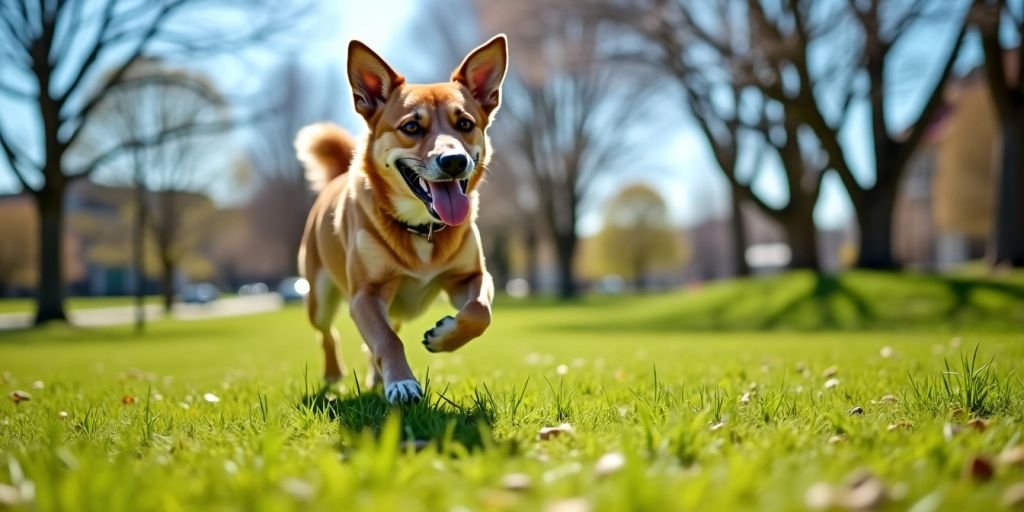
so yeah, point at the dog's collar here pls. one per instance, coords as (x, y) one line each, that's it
(425, 230)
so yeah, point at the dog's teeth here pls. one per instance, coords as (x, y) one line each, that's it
(423, 183)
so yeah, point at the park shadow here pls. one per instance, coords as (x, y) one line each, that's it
(435, 420)
(966, 305)
(824, 298)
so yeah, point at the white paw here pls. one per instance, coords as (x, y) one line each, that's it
(403, 392)
(432, 339)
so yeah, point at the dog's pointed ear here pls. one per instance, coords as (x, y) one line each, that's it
(371, 78)
(483, 70)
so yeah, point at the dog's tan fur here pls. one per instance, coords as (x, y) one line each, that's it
(356, 246)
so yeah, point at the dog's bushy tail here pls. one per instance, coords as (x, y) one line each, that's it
(325, 149)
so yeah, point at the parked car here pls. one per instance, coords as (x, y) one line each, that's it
(199, 293)
(293, 289)
(253, 289)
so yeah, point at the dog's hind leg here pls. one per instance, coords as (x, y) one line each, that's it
(322, 305)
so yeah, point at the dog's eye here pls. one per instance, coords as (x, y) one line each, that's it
(411, 128)
(464, 125)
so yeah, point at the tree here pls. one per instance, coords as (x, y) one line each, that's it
(44, 70)
(171, 175)
(566, 117)
(283, 196)
(773, 50)
(637, 235)
(1003, 71)
(699, 47)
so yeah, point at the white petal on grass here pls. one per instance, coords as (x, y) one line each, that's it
(562, 369)
(609, 463)
(211, 398)
(831, 383)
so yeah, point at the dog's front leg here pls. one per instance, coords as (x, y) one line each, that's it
(368, 308)
(473, 297)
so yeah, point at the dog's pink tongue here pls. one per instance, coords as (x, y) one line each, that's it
(449, 202)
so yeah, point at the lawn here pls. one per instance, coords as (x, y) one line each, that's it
(760, 407)
(22, 305)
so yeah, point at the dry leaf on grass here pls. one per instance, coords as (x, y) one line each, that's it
(552, 432)
(19, 396)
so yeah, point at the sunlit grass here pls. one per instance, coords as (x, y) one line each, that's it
(229, 415)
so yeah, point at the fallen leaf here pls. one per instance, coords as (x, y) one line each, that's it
(38, 384)
(888, 399)
(1013, 456)
(610, 463)
(1013, 496)
(517, 482)
(717, 426)
(62, 415)
(901, 424)
(211, 398)
(552, 432)
(19, 396)
(857, 411)
(830, 372)
(978, 424)
(745, 399)
(863, 491)
(836, 439)
(831, 383)
(127, 400)
(979, 468)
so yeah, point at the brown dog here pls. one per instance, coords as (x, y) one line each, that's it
(394, 223)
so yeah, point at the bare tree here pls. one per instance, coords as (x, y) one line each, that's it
(768, 49)
(705, 49)
(1003, 71)
(560, 128)
(283, 196)
(43, 68)
(170, 176)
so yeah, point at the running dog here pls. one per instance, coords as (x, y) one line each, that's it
(394, 222)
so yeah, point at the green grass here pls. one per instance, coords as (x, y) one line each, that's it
(665, 391)
(74, 303)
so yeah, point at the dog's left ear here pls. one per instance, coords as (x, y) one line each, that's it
(483, 70)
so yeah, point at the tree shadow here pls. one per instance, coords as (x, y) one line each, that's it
(827, 288)
(963, 303)
(436, 419)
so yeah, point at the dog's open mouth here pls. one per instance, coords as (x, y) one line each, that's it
(445, 200)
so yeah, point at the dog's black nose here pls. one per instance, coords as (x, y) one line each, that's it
(453, 165)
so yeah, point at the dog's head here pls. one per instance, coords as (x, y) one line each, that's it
(428, 143)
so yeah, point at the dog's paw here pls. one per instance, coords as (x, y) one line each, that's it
(435, 337)
(406, 391)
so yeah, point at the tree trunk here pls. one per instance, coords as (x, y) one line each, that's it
(532, 258)
(50, 290)
(640, 274)
(167, 283)
(1008, 226)
(802, 237)
(138, 257)
(739, 236)
(497, 259)
(565, 247)
(875, 217)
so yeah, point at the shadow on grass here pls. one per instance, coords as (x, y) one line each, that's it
(435, 419)
(808, 301)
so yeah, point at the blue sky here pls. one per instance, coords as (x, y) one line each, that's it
(692, 183)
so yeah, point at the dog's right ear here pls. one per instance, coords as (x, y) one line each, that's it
(371, 78)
